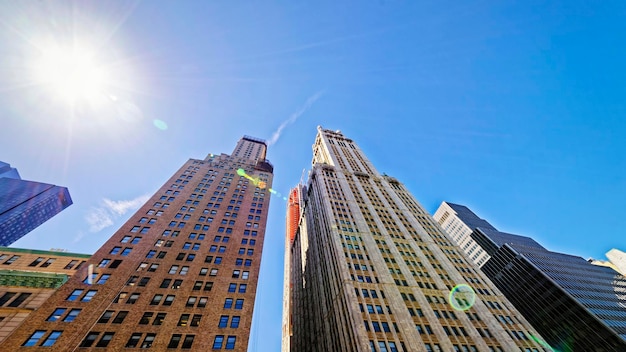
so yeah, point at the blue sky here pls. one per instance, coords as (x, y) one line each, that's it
(513, 109)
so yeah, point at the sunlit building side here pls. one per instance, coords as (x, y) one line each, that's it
(181, 273)
(28, 278)
(370, 270)
(294, 212)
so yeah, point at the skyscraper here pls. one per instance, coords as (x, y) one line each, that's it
(575, 306)
(180, 274)
(370, 270)
(24, 205)
(616, 260)
(459, 222)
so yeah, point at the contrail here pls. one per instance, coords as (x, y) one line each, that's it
(309, 102)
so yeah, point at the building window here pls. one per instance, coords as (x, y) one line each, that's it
(106, 316)
(223, 321)
(133, 298)
(52, 339)
(156, 300)
(19, 300)
(195, 320)
(168, 300)
(239, 303)
(56, 315)
(230, 342)
(89, 295)
(36, 261)
(228, 303)
(145, 318)
(106, 338)
(71, 316)
(115, 250)
(71, 264)
(89, 339)
(217, 343)
(158, 320)
(188, 342)
(234, 322)
(134, 340)
(74, 295)
(103, 278)
(174, 341)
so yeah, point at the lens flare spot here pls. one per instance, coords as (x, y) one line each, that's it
(262, 184)
(160, 124)
(462, 297)
(241, 172)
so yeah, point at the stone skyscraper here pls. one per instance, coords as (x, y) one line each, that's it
(370, 270)
(180, 274)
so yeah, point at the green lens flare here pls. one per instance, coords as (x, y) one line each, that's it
(462, 297)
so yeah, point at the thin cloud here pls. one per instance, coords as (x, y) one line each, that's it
(121, 207)
(99, 218)
(309, 102)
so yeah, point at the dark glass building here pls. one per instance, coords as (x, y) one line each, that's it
(573, 304)
(24, 205)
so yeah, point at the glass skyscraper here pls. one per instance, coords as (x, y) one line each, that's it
(24, 205)
(573, 304)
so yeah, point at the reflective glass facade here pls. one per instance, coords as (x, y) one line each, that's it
(24, 205)
(574, 305)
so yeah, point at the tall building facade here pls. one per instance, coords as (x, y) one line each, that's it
(449, 216)
(24, 205)
(575, 306)
(28, 278)
(616, 260)
(180, 274)
(370, 270)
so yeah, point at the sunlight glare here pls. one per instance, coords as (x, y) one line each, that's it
(73, 74)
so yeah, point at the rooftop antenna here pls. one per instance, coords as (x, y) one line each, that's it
(302, 176)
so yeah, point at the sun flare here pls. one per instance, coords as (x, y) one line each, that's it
(72, 74)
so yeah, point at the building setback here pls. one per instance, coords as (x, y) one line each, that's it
(24, 205)
(573, 304)
(29, 277)
(180, 274)
(370, 270)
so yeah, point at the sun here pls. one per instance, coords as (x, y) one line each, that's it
(72, 74)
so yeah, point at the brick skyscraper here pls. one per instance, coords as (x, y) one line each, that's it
(370, 270)
(180, 274)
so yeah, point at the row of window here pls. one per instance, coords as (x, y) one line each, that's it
(45, 264)
(192, 301)
(16, 302)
